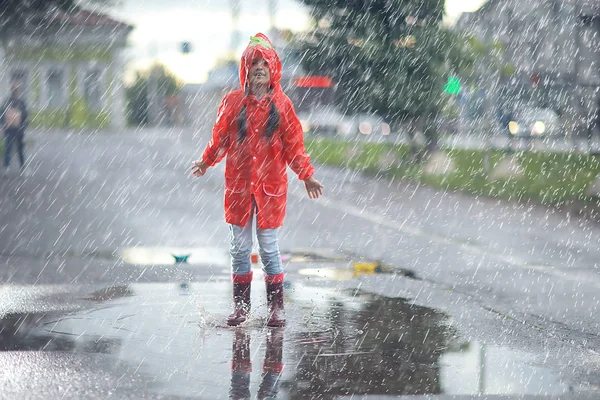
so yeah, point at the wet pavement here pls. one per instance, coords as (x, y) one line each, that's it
(170, 340)
(115, 283)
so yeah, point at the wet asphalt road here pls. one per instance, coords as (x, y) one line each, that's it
(504, 301)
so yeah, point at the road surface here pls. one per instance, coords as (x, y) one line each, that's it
(487, 296)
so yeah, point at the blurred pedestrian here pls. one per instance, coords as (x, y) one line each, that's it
(14, 121)
(257, 128)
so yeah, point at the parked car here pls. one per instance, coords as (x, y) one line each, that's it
(324, 121)
(533, 122)
(367, 124)
(328, 121)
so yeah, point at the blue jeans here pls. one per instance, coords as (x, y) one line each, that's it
(10, 137)
(241, 247)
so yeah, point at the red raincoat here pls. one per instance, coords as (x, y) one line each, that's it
(257, 166)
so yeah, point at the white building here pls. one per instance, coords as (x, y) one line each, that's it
(70, 69)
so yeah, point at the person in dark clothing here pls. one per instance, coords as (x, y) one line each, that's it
(14, 121)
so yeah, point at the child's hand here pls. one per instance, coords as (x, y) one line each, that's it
(199, 168)
(313, 187)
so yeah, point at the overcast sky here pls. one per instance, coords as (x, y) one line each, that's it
(161, 25)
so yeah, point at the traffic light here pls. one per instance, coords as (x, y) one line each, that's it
(186, 47)
(452, 86)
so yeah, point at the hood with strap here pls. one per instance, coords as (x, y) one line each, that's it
(261, 46)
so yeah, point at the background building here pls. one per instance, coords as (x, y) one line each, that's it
(552, 49)
(70, 69)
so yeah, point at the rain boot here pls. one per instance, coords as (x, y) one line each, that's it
(241, 366)
(276, 316)
(241, 299)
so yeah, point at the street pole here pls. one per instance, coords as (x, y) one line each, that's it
(153, 111)
(482, 355)
(487, 115)
(235, 40)
(152, 89)
(487, 128)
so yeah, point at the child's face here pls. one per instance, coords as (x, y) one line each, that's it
(259, 72)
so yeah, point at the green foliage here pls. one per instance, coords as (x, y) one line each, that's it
(48, 119)
(328, 152)
(388, 57)
(489, 57)
(77, 116)
(56, 53)
(137, 101)
(137, 93)
(548, 178)
(16, 12)
(100, 120)
(36, 88)
(80, 116)
(20, 14)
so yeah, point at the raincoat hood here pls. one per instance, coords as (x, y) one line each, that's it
(260, 45)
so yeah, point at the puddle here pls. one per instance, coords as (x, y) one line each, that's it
(353, 270)
(173, 255)
(336, 343)
(333, 274)
(476, 368)
(110, 293)
(208, 255)
(315, 255)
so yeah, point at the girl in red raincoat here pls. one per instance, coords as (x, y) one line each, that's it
(259, 132)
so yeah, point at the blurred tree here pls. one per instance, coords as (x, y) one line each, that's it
(17, 14)
(137, 94)
(491, 95)
(391, 57)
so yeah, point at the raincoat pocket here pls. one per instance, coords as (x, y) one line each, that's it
(274, 189)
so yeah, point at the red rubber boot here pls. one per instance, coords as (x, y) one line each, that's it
(276, 317)
(241, 299)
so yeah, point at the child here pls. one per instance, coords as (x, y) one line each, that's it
(257, 128)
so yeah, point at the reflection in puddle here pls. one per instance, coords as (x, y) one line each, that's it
(380, 346)
(336, 343)
(333, 274)
(349, 272)
(241, 365)
(476, 368)
(27, 332)
(375, 346)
